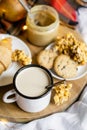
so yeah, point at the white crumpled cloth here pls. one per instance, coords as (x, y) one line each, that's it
(75, 118)
(82, 19)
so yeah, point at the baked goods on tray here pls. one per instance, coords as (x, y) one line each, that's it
(46, 58)
(70, 54)
(5, 54)
(6, 42)
(20, 57)
(65, 67)
(70, 45)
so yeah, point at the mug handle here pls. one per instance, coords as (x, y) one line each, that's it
(7, 94)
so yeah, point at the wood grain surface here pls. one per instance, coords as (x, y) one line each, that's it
(13, 113)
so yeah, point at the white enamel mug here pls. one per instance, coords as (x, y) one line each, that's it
(38, 98)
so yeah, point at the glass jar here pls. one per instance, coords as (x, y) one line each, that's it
(42, 27)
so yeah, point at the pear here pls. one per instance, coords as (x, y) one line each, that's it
(11, 10)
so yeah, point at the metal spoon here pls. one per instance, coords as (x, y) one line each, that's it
(25, 5)
(54, 84)
(27, 8)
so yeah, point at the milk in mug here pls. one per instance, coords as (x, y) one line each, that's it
(32, 81)
(29, 90)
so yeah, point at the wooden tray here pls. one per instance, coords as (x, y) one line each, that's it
(13, 113)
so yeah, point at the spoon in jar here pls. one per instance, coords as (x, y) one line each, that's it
(54, 84)
(25, 5)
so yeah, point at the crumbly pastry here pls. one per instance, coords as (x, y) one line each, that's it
(21, 57)
(65, 67)
(46, 58)
(5, 54)
(61, 93)
(1, 68)
(69, 45)
(6, 42)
